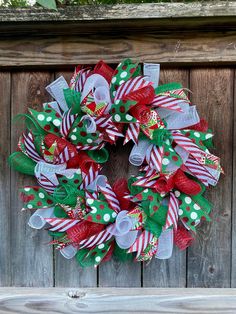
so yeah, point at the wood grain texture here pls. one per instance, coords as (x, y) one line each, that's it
(209, 260)
(31, 257)
(120, 301)
(122, 12)
(172, 272)
(115, 273)
(68, 273)
(167, 48)
(5, 142)
(233, 271)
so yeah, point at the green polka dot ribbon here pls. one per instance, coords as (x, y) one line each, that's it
(169, 156)
(94, 256)
(100, 212)
(120, 111)
(125, 71)
(36, 197)
(190, 211)
(49, 120)
(79, 135)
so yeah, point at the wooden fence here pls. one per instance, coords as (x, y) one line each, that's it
(196, 45)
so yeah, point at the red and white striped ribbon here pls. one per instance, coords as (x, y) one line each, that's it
(67, 122)
(30, 147)
(156, 157)
(61, 224)
(88, 147)
(96, 239)
(187, 144)
(89, 177)
(112, 132)
(82, 77)
(144, 182)
(132, 133)
(172, 213)
(102, 122)
(131, 86)
(199, 171)
(110, 197)
(46, 184)
(141, 243)
(64, 156)
(167, 102)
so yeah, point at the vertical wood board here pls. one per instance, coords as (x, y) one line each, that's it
(5, 142)
(209, 259)
(31, 256)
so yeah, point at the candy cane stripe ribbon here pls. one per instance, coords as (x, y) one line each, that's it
(67, 122)
(156, 156)
(167, 102)
(96, 239)
(132, 133)
(61, 224)
(188, 145)
(30, 147)
(172, 214)
(110, 197)
(141, 243)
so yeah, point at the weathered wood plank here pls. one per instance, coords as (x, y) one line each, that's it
(122, 12)
(31, 258)
(172, 272)
(67, 272)
(169, 48)
(233, 271)
(5, 142)
(209, 260)
(114, 273)
(140, 301)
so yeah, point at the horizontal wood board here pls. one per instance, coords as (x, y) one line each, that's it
(115, 300)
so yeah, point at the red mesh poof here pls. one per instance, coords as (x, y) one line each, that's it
(202, 126)
(82, 161)
(104, 70)
(141, 113)
(83, 230)
(143, 95)
(186, 185)
(61, 143)
(182, 238)
(120, 187)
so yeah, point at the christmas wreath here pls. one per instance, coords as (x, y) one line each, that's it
(64, 147)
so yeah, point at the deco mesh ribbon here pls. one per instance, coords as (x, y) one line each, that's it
(64, 148)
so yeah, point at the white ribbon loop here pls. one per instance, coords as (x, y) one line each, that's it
(37, 220)
(68, 252)
(122, 230)
(56, 90)
(152, 72)
(100, 181)
(90, 124)
(165, 244)
(138, 153)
